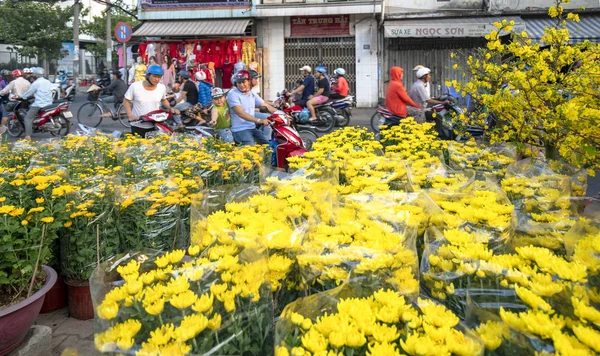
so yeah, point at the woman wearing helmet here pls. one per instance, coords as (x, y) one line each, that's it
(18, 86)
(242, 107)
(145, 96)
(322, 94)
(220, 118)
(339, 89)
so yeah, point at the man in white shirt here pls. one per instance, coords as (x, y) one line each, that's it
(17, 87)
(420, 94)
(145, 96)
(41, 89)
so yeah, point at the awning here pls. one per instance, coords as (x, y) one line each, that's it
(178, 28)
(447, 27)
(588, 28)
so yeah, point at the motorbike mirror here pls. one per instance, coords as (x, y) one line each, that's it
(278, 94)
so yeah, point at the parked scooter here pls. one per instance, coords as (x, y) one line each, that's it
(326, 114)
(54, 118)
(287, 141)
(159, 122)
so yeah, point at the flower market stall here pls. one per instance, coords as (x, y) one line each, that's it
(401, 245)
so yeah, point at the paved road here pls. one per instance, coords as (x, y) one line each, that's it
(360, 117)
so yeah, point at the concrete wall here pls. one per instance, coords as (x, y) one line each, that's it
(367, 67)
(273, 56)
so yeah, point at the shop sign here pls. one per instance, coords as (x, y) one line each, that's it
(191, 3)
(68, 56)
(394, 30)
(319, 26)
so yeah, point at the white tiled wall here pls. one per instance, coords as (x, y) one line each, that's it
(366, 62)
(273, 57)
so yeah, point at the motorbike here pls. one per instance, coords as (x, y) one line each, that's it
(69, 91)
(343, 108)
(54, 118)
(382, 117)
(326, 114)
(444, 123)
(159, 122)
(189, 117)
(286, 140)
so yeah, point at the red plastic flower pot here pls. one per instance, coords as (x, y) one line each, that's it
(80, 300)
(56, 298)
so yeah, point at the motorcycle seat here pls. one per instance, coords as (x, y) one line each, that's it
(54, 105)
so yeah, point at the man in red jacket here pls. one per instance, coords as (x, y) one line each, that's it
(396, 98)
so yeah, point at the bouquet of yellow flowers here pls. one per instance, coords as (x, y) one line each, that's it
(371, 238)
(492, 161)
(151, 303)
(358, 320)
(542, 199)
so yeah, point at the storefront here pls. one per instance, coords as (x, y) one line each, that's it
(430, 42)
(315, 40)
(336, 41)
(212, 46)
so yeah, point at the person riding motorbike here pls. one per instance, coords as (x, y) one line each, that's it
(322, 95)
(255, 81)
(307, 89)
(105, 78)
(204, 89)
(17, 87)
(340, 89)
(242, 104)
(27, 75)
(396, 99)
(41, 89)
(420, 95)
(188, 97)
(145, 96)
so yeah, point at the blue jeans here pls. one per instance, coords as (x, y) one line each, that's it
(267, 130)
(250, 137)
(225, 135)
(181, 107)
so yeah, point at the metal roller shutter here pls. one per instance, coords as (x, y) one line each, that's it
(333, 52)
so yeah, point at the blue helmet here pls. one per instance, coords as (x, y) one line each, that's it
(154, 69)
(184, 74)
(321, 69)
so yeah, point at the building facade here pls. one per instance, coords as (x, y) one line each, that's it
(364, 37)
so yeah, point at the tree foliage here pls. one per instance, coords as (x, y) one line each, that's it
(542, 96)
(97, 29)
(35, 28)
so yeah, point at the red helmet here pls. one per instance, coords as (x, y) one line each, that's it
(17, 73)
(241, 76)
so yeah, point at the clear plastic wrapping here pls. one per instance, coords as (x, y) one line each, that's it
(371, 238)
(479, 207)
(150, 303)
(491, 161)
(362, 320)
(545, 208)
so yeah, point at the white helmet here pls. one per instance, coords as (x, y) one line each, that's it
(37, 71)
(340, 71)
(200, 76)
(423, 72)
(26, 70)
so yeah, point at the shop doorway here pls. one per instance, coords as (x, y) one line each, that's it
(333, 52)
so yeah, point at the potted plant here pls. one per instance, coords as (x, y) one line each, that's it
(28, 225)
(90, 238)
